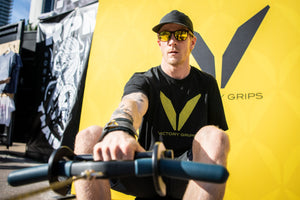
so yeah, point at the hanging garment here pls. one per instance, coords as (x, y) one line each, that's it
(10, 64)
(7, 106)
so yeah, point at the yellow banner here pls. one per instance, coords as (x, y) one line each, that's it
(253, 49)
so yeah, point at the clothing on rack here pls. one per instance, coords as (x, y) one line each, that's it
(10, 64)
(7, 106)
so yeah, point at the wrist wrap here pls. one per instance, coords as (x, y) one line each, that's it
(119, 124)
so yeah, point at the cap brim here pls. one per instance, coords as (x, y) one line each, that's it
(158, 27)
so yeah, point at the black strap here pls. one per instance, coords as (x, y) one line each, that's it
(119, 124)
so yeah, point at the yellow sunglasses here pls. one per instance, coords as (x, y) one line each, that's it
(180, 35)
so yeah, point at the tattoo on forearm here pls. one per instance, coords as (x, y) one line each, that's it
(123, 112)
(133, 106)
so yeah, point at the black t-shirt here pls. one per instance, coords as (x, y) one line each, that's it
(177, 108)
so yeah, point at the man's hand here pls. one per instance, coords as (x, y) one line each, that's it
(117, 145)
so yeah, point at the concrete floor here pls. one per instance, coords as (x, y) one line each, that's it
(13, 159)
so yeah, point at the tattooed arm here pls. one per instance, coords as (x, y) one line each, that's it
(119, 145)
(133, 107)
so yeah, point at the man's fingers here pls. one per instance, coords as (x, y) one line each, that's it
(117, 146)
(140, 148)
(106, 154)
(97, 152)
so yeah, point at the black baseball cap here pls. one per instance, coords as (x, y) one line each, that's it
(175, 17)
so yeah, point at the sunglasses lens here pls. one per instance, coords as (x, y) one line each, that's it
(181, 35)
(164, 36)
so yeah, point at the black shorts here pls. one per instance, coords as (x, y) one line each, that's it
(143, 189)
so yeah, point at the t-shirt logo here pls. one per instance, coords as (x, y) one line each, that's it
(184, 113)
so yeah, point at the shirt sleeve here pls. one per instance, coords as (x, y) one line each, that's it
(137, 83)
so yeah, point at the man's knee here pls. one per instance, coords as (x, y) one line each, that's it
(89, 132)
(212, 143)
(214, 135)
(86, 139)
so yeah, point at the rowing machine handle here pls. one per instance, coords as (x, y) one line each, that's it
(28, 175)
(40, 173)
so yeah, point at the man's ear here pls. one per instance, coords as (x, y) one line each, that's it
(158, 42)
(193, 42)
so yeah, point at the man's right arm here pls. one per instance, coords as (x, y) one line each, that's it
(119, 145)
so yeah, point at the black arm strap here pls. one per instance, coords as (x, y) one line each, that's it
(119, 124)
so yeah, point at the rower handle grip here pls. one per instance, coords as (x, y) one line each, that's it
(192, 170)
(40, 173)
(28, 175)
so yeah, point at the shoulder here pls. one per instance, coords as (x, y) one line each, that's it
(201, 75)
(149, 73)
(140, 82)
(146, 75)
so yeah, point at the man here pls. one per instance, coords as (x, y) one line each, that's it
(173, 103)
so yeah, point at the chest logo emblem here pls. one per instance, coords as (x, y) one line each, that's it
(184, 113)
